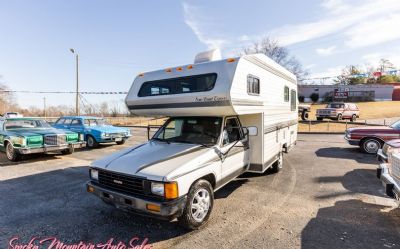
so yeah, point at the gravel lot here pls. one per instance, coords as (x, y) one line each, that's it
(327, 196)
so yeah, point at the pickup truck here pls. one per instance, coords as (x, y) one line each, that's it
(338, 111)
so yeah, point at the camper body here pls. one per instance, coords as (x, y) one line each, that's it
(226, 117)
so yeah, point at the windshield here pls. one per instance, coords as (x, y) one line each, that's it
(195, 130)
(396, 125)
(335, 105)
(95, 122)
(25, 124)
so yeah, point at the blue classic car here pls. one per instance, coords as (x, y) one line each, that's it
(94, 129)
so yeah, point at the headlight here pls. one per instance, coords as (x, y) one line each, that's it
(157, 188)
(19, 140)
(103, 134)
(169, 190)
(94, 174)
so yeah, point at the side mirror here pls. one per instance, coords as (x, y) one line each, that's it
(252, 131)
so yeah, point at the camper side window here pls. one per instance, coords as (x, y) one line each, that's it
(293, 100)
(253, 85)
(286, 94)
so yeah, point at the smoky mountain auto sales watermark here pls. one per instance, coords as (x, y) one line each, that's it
(55, 243)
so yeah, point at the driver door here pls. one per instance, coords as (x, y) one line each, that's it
(234, 149)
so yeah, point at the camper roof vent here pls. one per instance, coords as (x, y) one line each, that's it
(211, 55)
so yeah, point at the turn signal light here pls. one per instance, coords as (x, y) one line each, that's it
(153, 207)
(90, 189)
(171, 190)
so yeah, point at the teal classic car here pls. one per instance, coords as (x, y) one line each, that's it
(95, 130)
(20, 136)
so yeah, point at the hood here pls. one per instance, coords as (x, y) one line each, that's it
(108, 129)
(153, 159)
(370, 129)
(38, 132)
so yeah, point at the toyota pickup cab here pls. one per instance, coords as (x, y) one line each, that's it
(339, 111)
(226, 117)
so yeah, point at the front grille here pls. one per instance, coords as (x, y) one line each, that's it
(55, 139)
(117, 134)
(395, 169)
(122, 183)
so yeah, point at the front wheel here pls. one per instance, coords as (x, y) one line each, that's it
(68, 151)
(371, 145)
(199, 204)
(339, 117)
(353, 118)
(91, 142)
(11, 153)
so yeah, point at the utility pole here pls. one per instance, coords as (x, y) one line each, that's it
(77, 81)
(44, 107)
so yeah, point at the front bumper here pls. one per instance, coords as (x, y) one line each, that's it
(112, 139)
(392, 187)
(382, 157)
(48, 148)
(169, 210)
(355, 142)
(332, 116)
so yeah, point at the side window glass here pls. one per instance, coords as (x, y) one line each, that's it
(60, 121)
(293, 99)
(253, 85)
(286, 94)
(76, 122)
(232, 132)
(67, 122)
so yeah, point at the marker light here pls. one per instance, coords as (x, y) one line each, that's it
(230, 60)
(179, 69)
(141, 74)
(190, 67)
(171, 190)
(168, 70)
(152, 207)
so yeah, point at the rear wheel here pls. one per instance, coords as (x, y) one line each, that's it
(353, 118)
(91, 142)
(199, 204)
(11, 153)
(339, 117)
(371, 145)
(319, 119)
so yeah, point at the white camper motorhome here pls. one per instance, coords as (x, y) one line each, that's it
(225, 117)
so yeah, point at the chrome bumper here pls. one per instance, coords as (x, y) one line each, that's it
(48, 148)
(392, 186)
(382, 157)
(352, 141)
(169, 210)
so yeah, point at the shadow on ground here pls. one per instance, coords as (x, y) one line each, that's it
(347, 153)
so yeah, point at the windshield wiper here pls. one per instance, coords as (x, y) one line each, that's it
(162, 140)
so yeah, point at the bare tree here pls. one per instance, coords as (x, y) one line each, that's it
(279, 54)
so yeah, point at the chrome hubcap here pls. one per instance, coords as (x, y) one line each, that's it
(90, 141)
(10, 151)
(200, 205)
(372, 147)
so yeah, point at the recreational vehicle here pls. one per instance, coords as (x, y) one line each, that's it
(226, 117)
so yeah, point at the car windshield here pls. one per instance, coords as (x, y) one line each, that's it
(95, 122)
(335, 105)
(194, 130)
(395, 125)
(25, 124)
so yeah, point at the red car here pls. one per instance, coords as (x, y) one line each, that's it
(372, 138)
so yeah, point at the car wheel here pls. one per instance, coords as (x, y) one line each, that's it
(371, 145)
(199, 204)
(278, 165)
(319, 119)
(339, 117)
(121, 142)
(353, 118)
(304, 115)
(91, 142)
(11, 153)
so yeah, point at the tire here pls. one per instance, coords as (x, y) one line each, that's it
(339, 117)
(68, 151)
(91, 142)
(278, 165)
(371, 145)
(353, 118)
(320, 119)
(121, 142)
(11, 153)
(201, 190)
(304, 115)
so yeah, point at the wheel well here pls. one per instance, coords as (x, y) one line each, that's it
(376, 138)
(210, 178)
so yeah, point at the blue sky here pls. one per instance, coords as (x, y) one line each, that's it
(118, 39)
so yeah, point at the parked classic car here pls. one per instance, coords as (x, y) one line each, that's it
(95, 130)
(372, 138)
(339, 111)
(389, 170)
(19, 136)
